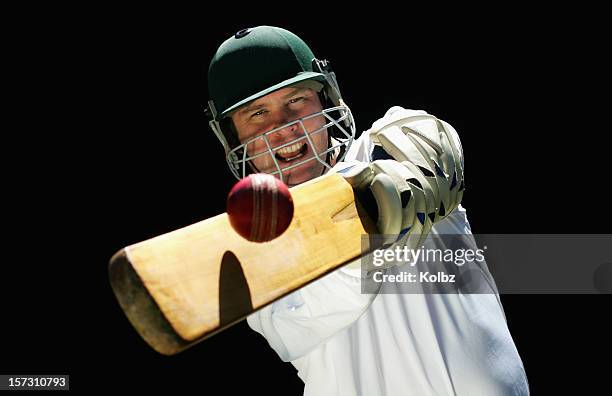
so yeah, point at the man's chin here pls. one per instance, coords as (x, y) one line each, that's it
(299, 176)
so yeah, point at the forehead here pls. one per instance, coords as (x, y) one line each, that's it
(281, 94)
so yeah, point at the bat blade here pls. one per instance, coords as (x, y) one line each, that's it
(184, 286)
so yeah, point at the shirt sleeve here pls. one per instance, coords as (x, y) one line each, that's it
(302, 320)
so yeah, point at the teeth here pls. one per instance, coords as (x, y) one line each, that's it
(294, 148)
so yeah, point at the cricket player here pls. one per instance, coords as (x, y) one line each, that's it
(278, 109)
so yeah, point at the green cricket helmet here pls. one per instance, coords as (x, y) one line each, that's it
(256, 62)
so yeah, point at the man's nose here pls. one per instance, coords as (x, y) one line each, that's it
(288, 131)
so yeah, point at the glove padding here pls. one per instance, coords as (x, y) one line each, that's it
(421, 184)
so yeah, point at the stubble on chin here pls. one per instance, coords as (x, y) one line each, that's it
(313, 171)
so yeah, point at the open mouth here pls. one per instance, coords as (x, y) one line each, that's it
(290, 153)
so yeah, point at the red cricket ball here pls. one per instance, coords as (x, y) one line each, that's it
(260, 207)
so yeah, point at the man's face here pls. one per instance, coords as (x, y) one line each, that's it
(275, 110)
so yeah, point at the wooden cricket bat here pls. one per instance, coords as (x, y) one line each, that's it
(181, 287)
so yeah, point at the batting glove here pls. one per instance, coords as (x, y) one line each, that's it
(418, 178)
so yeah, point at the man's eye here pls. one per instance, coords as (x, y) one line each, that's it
(295, 100)
(260, 112)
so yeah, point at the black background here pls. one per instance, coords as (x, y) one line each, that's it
(111, 147)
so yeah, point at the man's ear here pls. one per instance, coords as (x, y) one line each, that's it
(230, 132)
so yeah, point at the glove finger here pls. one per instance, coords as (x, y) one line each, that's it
(419, 182)
(452, 162)
(448, 164)
(417, 150)
(418, 226)
(358, 174)
(397, 144)
(389, 206)
(399, 174)
(423, 202)
(397, 116)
